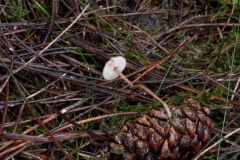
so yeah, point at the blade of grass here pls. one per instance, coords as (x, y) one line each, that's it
(228, 91)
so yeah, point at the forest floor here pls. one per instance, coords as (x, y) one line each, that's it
(55, 103)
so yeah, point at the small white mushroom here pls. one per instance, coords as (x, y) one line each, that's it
(114, 67)
(118, 62)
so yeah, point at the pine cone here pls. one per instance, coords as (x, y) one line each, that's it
(153, 136)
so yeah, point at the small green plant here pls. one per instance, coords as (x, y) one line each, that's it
(118, 150)
(17, 11)
(179, 97)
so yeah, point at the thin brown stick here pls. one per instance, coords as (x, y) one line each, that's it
(187, 88)
(157, 63)
(220, 140)
(6, 105)
(201, 25)
(6, 84)
(95, 119)
(48, 132)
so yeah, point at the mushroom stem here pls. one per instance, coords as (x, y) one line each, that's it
(145, 89)
(169, 113)
(123, 77)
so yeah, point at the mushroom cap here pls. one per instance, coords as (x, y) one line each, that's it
(115, 62)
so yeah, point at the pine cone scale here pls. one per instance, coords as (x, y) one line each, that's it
(155, 140)
(142, 148)
(190, 127)
(174, 138)
(161, 127)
